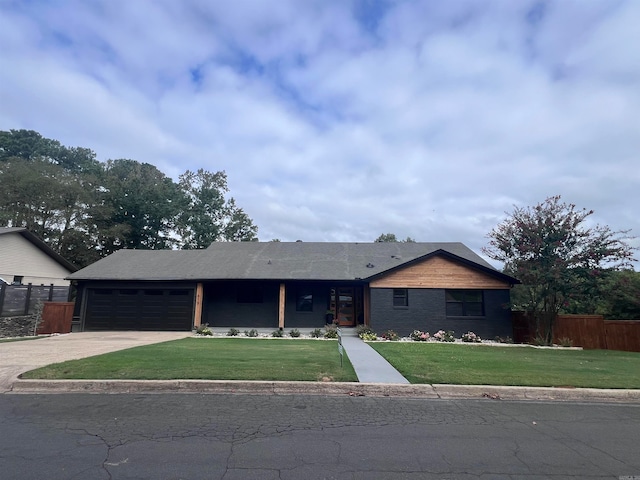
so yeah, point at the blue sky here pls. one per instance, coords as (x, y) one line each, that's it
(341, 120)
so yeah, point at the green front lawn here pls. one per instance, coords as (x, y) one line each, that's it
(527, 366)
(212, 359)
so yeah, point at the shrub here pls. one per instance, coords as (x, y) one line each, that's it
(442, 336)
(419, 336)
(390, 335)
(251, 333)
(233, 332)
(295, 333)
(366, 331)
(471, 337)
(316, 333)
(565, 342)
(539, 341)
(506, 339)
(331, 331)
(368, 336)
(277, 333)
(204, 330)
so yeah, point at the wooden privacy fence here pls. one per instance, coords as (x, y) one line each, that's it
(21, 299)
(56, 318)
(587, 331)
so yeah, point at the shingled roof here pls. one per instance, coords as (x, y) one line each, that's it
(274, 261)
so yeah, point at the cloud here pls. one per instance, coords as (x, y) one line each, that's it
(339, 121)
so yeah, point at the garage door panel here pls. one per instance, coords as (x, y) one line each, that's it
(139, 309)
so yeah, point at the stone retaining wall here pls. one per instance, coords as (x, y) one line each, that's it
(21, 326)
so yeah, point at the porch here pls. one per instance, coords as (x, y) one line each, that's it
(280, 305)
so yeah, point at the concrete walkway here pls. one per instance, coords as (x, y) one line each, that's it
(369, 365)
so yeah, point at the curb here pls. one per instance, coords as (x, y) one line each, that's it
(441, 391)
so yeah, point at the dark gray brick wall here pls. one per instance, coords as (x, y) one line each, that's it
(313, 319)
(427, 312)
(221, 309)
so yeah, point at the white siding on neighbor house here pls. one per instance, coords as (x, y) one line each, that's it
(18, 256)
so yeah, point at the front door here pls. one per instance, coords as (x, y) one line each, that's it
(345, 306)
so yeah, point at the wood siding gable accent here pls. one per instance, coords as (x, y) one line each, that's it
(439, 272)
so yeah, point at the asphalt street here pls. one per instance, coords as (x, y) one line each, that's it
(226, 436)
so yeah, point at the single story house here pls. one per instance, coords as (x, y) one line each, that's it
(25, 258)
(399, 286)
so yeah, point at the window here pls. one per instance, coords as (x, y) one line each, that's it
(304, 301)
(400, 297)
(465, 303)
(249, 294)
(17, 280)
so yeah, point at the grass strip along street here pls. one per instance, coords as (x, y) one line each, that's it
(19, 339)
(212, 359)
(434, 363)
(313, 360)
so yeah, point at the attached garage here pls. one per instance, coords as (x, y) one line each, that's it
(387, 285)
(139, 309)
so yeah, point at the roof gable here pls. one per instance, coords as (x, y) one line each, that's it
(41, 245)
(442, 270)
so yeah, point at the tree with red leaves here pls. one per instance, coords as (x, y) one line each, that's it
(555, 256)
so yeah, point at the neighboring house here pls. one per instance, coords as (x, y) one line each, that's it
(24, 259)
(399, 286)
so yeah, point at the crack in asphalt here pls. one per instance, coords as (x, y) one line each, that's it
(234, 426)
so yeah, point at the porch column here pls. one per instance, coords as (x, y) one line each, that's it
(281, 308)
(197, 315)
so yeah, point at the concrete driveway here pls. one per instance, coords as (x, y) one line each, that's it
(19, 357)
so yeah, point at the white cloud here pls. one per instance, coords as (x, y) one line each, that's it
(430, 125)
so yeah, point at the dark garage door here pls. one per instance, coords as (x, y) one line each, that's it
(139, 309)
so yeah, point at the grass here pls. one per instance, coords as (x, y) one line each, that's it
(526, 366)
(18, 339)
(211, 359)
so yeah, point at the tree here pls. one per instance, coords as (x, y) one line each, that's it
(208, 216)
(621, 295)
(139, 207)
(555, 256)
(391, 237)
(85, 209)
(49, 189)
(27, 144)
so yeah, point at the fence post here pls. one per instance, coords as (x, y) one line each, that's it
(3, 289)
(27, 299)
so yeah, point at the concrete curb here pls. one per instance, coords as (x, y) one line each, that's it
(21, 386)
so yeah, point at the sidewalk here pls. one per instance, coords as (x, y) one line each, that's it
(369, 365)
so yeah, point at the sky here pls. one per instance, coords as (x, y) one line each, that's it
(340, 120)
